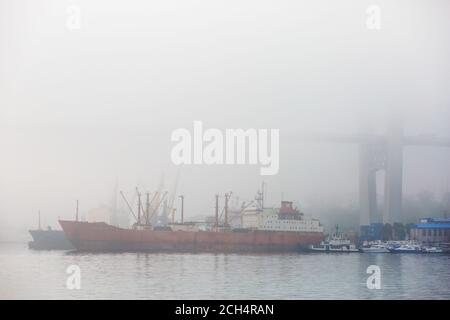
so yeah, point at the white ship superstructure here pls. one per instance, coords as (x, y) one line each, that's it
(285, 218)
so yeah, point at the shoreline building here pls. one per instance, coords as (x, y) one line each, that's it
(431, 231)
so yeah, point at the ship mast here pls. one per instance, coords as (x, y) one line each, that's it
(217, 213)
(226, 209)
(139, 207)
(260, 196)
(182, 208)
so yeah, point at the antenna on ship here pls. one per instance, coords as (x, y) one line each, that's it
(217, 213)
(39, 219)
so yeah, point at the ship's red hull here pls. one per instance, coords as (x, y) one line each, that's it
(87, 236)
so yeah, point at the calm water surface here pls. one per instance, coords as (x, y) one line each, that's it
(27, 274)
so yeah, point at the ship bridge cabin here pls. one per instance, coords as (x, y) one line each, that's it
(287, 211)
(286, 218)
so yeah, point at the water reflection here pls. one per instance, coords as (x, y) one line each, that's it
(42, 275)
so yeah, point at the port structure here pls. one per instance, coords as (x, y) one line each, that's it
(145, 214)
(218, 224)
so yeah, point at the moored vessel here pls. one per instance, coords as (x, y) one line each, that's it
(375, 248)
(432, 250)
(337, 242)
(49, 240)
(406, 248)
(100, 236)
(263, 230)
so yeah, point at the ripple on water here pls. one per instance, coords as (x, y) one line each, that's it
(27, 274)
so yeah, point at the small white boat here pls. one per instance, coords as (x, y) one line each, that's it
(432, 250)
(375, 248)
(326, 247)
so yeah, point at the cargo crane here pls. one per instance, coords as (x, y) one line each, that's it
(224, 213)
(144, 215)
(170, 206)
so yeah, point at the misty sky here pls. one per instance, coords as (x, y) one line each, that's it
(80, 108)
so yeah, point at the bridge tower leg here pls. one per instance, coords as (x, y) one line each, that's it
(394, 176)
(367, 186)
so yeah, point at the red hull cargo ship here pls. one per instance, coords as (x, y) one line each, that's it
(263, 230)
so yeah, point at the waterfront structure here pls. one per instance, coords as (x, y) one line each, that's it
(431, 231)
(371, 232)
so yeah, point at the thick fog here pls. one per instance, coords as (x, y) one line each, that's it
(85, 109)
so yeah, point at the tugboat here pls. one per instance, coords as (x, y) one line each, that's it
(336, 243)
